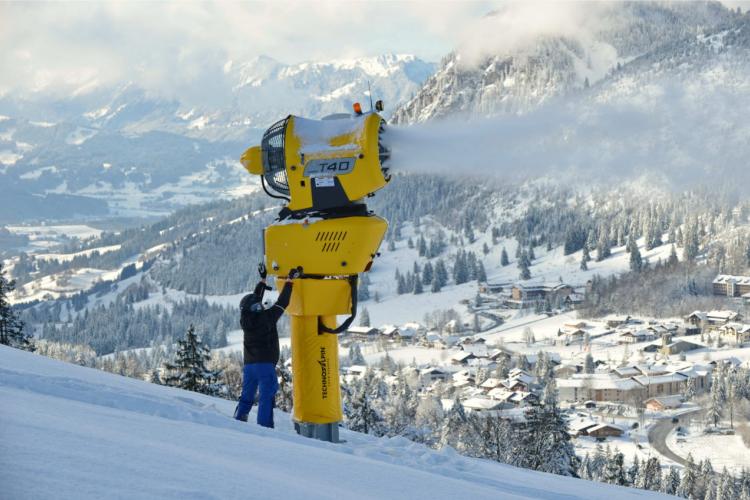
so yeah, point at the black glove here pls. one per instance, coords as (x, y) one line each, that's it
(262, 271)
(294, 273)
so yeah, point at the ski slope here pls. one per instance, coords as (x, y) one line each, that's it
(74, 432)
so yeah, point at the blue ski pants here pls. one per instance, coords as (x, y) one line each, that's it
(258, 376)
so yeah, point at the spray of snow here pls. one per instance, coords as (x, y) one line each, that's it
(680, 135)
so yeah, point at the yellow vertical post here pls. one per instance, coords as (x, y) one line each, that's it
(315, 364)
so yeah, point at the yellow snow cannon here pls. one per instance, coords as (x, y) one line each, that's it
(322, 169)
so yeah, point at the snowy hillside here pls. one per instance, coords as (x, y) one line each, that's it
(519, 77)
(73, 432)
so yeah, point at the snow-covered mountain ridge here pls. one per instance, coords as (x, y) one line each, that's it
(231, 101)
(93, 433)
(550, 67)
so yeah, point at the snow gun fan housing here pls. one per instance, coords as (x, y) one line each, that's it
(322, 169)
(321, 164)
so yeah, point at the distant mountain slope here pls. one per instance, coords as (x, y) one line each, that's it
(519, 80)
(73, 432)
(125, 151)
(243, 99)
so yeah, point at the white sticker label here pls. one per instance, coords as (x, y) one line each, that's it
(323, 182)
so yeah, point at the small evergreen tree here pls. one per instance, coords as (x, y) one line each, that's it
(11, 327)
(504, 258)
(189, 369)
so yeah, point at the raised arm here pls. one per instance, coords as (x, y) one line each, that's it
(282, 302)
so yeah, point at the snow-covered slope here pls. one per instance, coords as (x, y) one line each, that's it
(73, 432)
(519, 78)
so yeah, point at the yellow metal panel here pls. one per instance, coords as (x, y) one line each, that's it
(362, 143)
(330, 247)
(252, 160)
(315, 364)
(319, 297)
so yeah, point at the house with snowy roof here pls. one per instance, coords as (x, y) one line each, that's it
(731, 286)
(737, 333)
(604, 430)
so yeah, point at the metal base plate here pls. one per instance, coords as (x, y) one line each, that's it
(323, 432)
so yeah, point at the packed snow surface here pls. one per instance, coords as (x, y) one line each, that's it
(74, 432)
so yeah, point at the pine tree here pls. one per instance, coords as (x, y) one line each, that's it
(636, 261)
(11, 327)
(673, 260)
(460, 268)
(671, 482)
(189, 369)
(614, 471)
(454, 428)
(441, 272)
(481, 273)
(546, 441)
(284, 396)
(422, 247)
(634, 471)
(355, 355)
(603, 248)
(360, 409)
(584, 266)
(523, 266)
(364, 318)
(586, 256)
(504, 258)
(417, 286)
(688, 480)
(588, 364)
(435, 287)
(427, 273)
(485, 249)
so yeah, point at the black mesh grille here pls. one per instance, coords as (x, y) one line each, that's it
(274, 164)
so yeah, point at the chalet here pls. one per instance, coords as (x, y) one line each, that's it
(356, 370)
(566, 370)
(501, 394)
(498, 353)
(678, 346)
(580, 427)
(737, 332)
(599, 387)
(731, 286)
(491, 383)
(614, 320)
(663, 385)
(717, 318)
(480, 404)
(663, 403)
(363, 332)
(627, 371)
(524, 295)
(429, 375)
(696, 318)
(462, 358)
(630, 337)
(522, 399)
(390, 332)
(601, 431)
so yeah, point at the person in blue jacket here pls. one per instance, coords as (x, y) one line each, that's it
(261, 349)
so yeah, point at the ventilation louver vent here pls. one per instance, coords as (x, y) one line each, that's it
(331, 240)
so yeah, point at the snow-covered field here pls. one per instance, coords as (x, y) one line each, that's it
(73, 432)
(723, 451)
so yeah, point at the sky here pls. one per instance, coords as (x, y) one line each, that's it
(157, 42)
(162, 45)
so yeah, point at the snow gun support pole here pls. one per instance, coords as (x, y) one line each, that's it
(323, 169)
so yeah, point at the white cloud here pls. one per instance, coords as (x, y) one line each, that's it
(169, 45)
